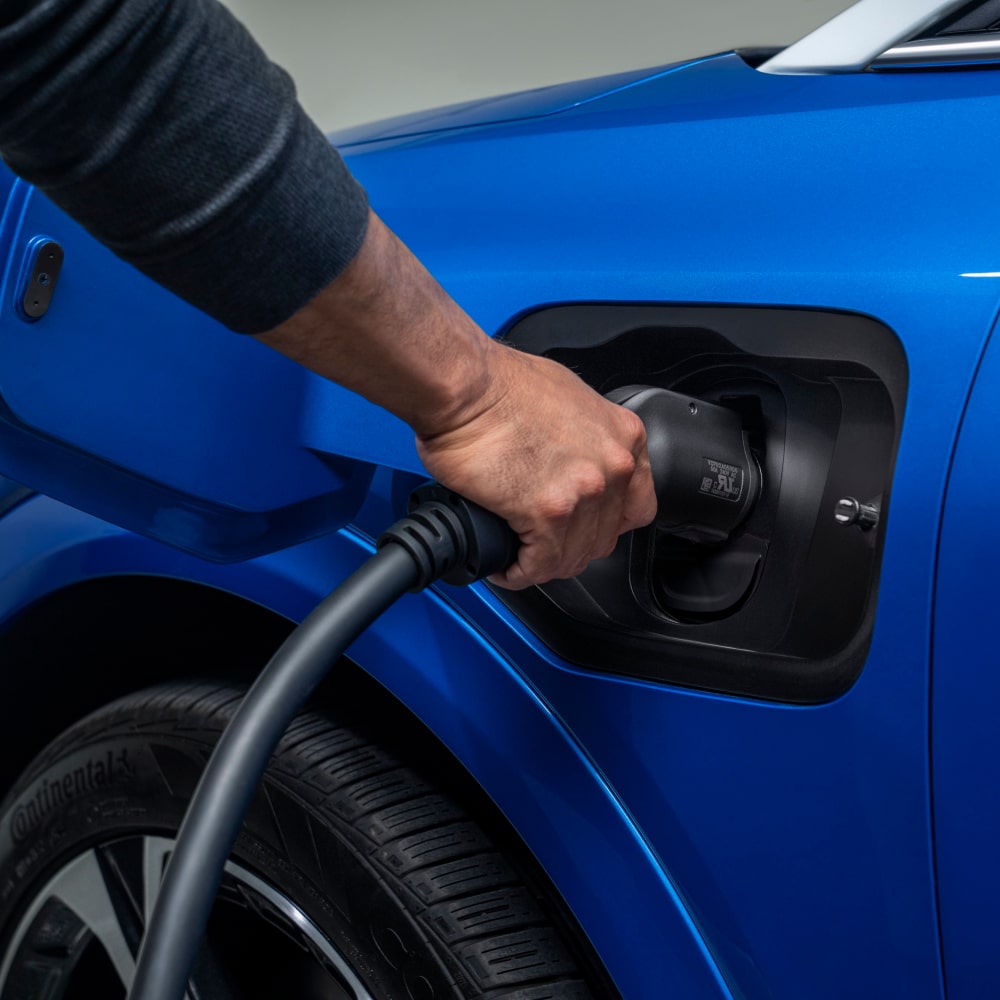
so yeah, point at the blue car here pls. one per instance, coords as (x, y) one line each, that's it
(760, 763)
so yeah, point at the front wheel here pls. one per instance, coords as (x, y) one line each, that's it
(353, 878)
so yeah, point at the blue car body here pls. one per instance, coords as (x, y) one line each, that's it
(710, 840)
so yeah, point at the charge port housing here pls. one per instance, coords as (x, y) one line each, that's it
(783, 607)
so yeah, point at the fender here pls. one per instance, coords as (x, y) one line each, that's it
(458, 684)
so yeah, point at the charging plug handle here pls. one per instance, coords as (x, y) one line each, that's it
(707, 479)
(452, 539)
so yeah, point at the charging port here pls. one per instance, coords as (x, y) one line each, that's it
(746, 583)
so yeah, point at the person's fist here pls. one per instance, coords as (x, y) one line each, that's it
(564, 467)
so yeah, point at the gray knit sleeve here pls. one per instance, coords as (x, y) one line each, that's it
(162, 128)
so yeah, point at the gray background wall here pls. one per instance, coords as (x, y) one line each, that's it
(359, 60)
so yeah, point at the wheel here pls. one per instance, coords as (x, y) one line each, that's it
(353, 879)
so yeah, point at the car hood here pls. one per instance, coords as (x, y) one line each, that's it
(538, 103)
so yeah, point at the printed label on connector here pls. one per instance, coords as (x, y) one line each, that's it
(721, 479)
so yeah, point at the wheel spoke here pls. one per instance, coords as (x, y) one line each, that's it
(112, 891)
(81, 886)
(155, 851)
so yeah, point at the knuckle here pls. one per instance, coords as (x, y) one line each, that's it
(648, 506)
(590, 484)
(536, 566)
(556, 505)
(622, 464)
(635, 430)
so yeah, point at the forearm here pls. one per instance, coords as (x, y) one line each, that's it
(518, 434)
(387, 330)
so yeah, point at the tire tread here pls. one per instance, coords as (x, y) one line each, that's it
(463, 892)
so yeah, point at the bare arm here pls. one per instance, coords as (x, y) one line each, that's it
(518, 434)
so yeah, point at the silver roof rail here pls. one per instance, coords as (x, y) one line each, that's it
(952, 50)
(855, 38)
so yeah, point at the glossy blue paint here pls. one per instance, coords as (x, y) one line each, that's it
(966, 693)
(538, 103)
(789, 850)
(800, 837)
(11, 190)
(157, 434)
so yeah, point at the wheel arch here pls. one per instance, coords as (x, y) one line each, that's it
(429, 676)
(77, 648)
(89, 642)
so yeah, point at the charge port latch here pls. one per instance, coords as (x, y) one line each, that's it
(706, 477)
(848, 511)
(40, 269)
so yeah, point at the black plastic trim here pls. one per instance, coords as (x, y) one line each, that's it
(982, 16)
(757, 55)
(831, 390)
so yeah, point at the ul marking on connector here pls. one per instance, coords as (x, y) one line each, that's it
(721, 479)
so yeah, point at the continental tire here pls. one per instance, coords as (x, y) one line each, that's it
(354, 878)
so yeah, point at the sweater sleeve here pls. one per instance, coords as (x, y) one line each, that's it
(162, 127)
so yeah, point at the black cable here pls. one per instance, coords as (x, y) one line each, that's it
(445, 536)
(215, 815)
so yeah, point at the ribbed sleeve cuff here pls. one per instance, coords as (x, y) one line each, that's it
(161, 127)
(277, 251)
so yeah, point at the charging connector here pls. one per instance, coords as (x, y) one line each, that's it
(707, 479)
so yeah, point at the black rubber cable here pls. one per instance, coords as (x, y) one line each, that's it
(445, 536)
(170, 944)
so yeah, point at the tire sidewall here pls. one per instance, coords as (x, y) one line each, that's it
(98, 789)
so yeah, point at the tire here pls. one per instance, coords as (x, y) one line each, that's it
(353, 879)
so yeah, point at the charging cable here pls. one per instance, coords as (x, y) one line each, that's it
(444, 537)
(707, 481)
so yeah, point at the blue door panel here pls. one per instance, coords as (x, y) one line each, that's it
(966, 696)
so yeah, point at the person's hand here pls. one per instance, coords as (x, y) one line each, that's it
(519, 435)
(564, 467)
